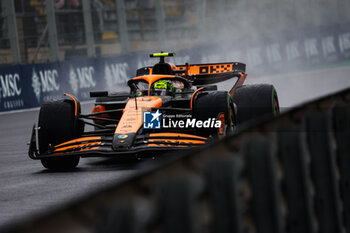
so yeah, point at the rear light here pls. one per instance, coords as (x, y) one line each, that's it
(222, 132)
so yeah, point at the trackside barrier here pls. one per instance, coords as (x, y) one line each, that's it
(28, 86)
(260, 157)
(288, 174)
(341, 121)
(297, 186)
(324, 172)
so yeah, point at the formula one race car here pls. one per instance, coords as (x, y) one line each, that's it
(168, 107)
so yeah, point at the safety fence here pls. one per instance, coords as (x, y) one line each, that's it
(35, 31)
(288, 174)
(27, 86)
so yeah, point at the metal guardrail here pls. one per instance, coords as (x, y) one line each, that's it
(288, 174)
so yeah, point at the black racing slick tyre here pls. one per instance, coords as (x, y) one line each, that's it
(57, 124)
(210, 105)
(255, 101)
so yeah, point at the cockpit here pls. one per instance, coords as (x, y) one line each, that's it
(158, 86)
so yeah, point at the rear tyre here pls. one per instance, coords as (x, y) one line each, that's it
(58, 124)
(255, 101)
(106, 102)
(210, 105)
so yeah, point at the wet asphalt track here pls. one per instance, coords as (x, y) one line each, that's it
(26, 188)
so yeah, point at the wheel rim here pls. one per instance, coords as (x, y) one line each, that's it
(231, 113)
(231, 119)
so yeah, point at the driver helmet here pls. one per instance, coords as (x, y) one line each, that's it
(163, 88)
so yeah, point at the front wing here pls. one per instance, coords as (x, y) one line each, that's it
(101, 146)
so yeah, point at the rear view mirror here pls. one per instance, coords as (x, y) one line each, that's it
(94, 94)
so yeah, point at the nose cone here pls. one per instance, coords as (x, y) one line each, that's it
(122, 142)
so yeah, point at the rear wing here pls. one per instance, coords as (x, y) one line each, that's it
(199, 74)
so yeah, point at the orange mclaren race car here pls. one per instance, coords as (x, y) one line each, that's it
(168, 107)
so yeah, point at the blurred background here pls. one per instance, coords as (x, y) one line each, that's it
(49, 47)
(33, 31)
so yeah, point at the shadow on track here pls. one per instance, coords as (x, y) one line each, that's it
(107, 164)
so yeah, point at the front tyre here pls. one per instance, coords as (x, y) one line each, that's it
(58, 124)
(64, 163)
(216, 104)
